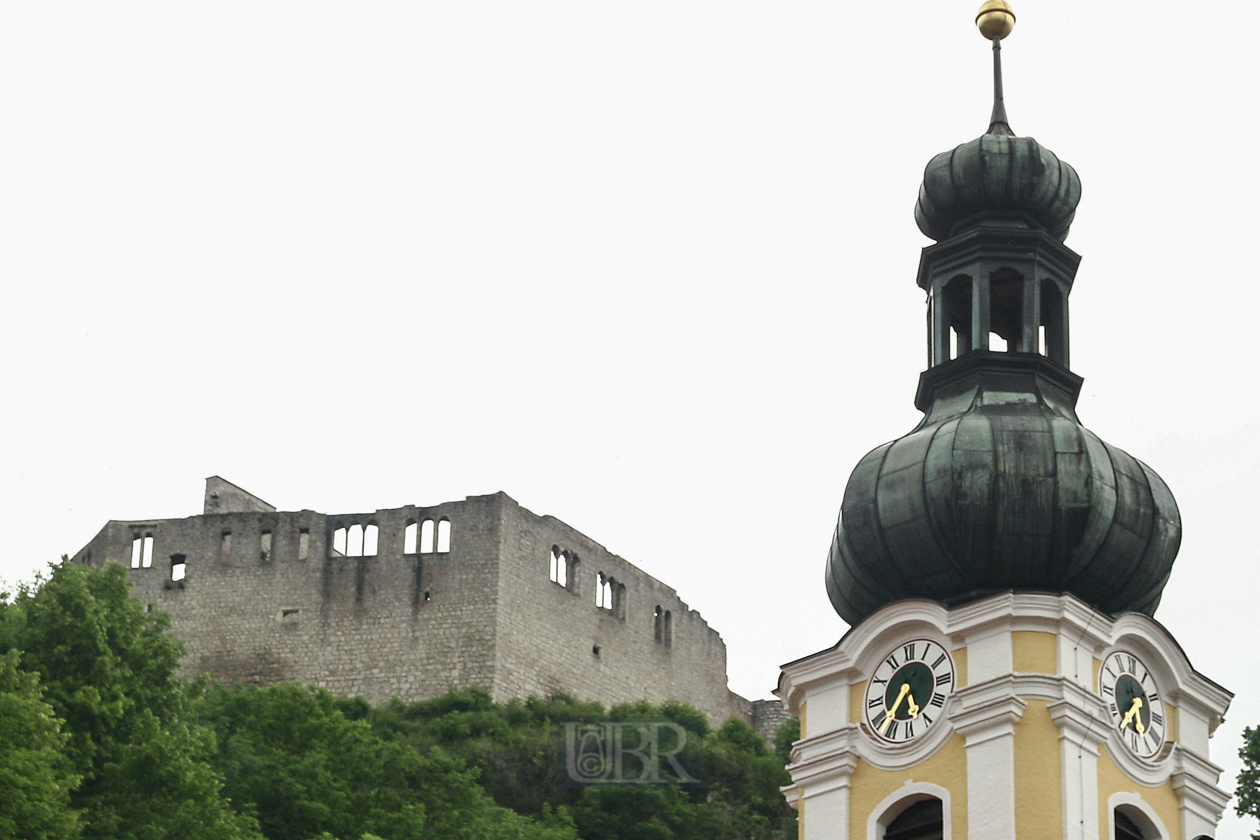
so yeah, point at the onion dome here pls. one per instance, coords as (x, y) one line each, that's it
(1000, 487)
(997, 174)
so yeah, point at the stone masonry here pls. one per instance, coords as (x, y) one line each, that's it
(455, 595)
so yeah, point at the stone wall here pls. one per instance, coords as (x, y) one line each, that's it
(264, 597)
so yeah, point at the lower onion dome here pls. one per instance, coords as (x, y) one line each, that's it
(1001, 488)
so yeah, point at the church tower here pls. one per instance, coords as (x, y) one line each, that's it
(1001, 565)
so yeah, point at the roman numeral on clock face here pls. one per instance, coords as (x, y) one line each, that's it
(891, 732)
(876, 703)
(937, 700)
(945, 678)
(908, 651)
(1157, 719)
(892, 661)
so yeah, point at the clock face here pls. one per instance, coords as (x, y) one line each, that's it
(1132, 698)
(906, 695)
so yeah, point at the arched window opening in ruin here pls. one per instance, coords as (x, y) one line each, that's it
(559, 567)
(147, 560)
(410, 534)
(354, 541)
(225, 546)
(923, 820)
(339, 543)
(137, 551)
(371, 534)
(668, 631)
(178, 567)
(426, 537)
(443, 536)
(658, 624)
(604, 592)
(265, 546)
(1006, 311)
(304, 544)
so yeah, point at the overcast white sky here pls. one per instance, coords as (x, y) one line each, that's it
(647, 267)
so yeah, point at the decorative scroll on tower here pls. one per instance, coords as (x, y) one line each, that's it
(1000, 563)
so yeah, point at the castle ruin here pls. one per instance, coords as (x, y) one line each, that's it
(412, 601)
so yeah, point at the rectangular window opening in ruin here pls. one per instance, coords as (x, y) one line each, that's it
(264, 545)
(178, 567)
(443, 536)
(371, 535)
(409, 538)
(146, 559)
(137, 548)
(225, 546)
(304, 544)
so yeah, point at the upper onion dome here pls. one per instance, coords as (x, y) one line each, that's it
(997, 174)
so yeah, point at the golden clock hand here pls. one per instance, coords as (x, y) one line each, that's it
(901, 695)
(911, 706)
(1129, 715)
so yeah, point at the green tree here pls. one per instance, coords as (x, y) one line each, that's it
(1248, 792)
(293, 758)
(35, 775)
(514, 746)
(108, 669)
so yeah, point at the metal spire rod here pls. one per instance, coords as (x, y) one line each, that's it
(997, 122)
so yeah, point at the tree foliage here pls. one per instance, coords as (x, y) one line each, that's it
(1248, 792)
(107, 666)
(35, 775)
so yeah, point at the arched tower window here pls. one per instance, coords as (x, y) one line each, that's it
(951, 315)
(371, 535)
(924, 820)
(443, 536)
(916, 811)
(1006, 311)
(426, 537)
(1054, 322)
(410, 534)
(1134, 819)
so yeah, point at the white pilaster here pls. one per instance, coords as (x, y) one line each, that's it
(1082, 729)
(986, 715)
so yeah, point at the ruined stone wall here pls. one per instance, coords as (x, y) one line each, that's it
(389, 625)
(264, 598)
(555, 638)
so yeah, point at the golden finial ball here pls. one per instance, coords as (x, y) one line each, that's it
(995, 19)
